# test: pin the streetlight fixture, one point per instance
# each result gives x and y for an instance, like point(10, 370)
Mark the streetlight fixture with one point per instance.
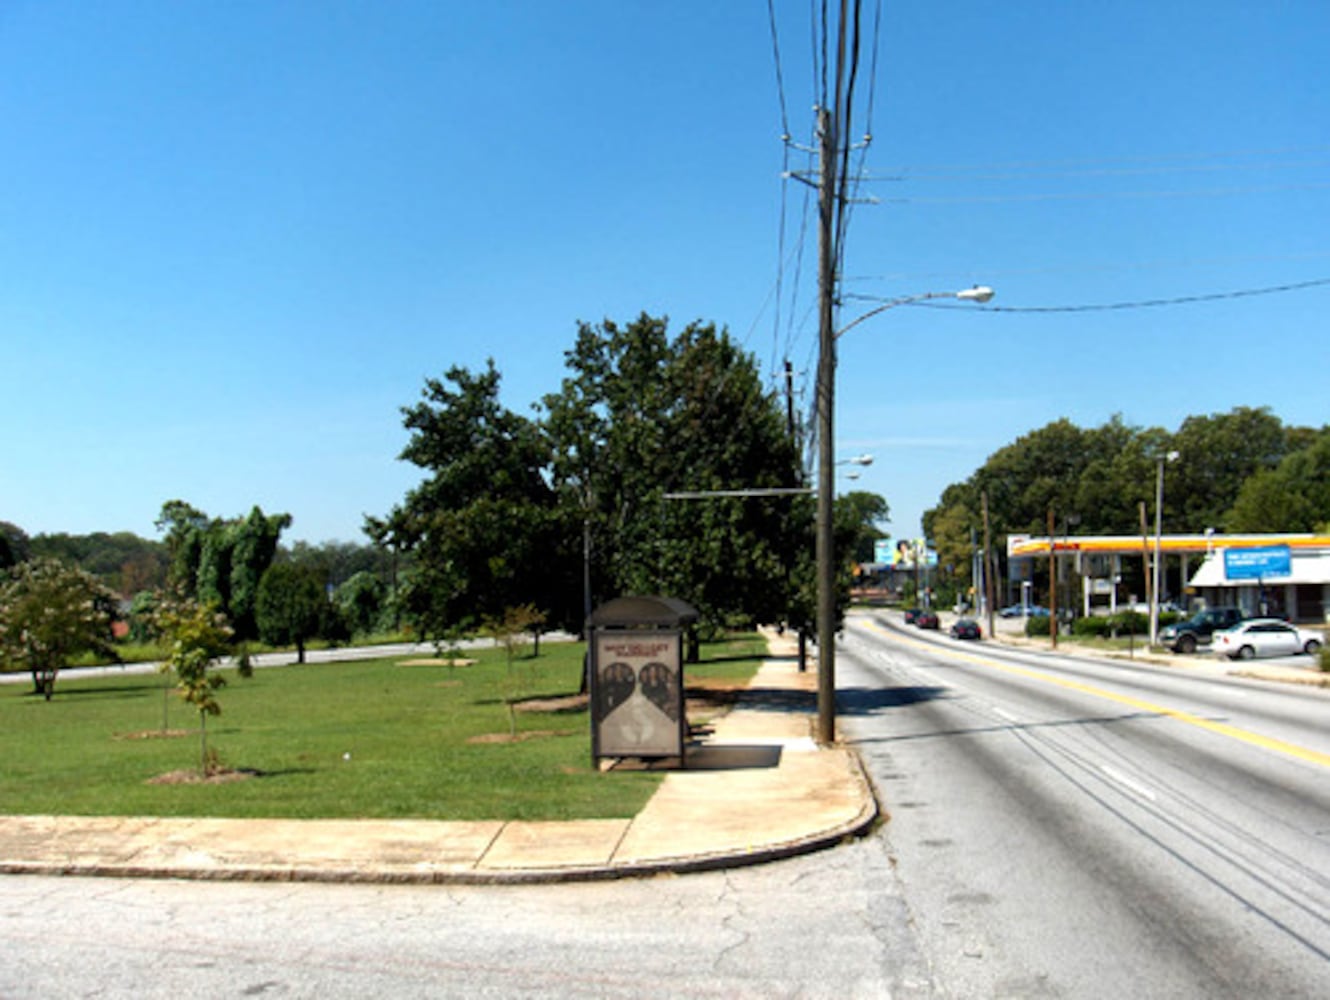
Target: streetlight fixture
point(1171, 456)
point(826, 393)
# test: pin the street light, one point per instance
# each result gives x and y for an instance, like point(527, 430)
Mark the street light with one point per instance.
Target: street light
point(1171, 456)
point(826, 477)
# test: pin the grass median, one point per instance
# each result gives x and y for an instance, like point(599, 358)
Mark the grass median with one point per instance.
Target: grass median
point(392, 738)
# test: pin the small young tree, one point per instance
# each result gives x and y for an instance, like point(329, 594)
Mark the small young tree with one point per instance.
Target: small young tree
point(509, 631)
point(50, 611)
point(198, 635)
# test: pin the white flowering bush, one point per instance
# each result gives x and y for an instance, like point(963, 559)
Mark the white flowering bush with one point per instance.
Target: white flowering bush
point(51, 611)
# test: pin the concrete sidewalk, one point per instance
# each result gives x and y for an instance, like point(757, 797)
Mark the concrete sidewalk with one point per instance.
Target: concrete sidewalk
point(756, 789)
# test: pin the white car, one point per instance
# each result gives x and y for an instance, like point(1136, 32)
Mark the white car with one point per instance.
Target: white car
point(1265, 637)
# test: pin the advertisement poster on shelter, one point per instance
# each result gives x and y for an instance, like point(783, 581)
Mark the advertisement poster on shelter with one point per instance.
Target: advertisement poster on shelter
point(638, 697)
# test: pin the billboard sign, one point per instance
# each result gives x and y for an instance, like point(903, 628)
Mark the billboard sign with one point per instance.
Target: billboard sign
point(1257, 563)
point(908, 553)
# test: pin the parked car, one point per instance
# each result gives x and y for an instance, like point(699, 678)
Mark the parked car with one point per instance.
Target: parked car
point(1185, 637)
point(926, 619)
point(1265, 637)
point(911, 614)
point(1023, 611)
point(966, 628)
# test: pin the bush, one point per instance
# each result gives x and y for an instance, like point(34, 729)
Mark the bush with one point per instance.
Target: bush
point(1325, 659)
point(1095, 626)
point(1036, 625)
point(1130, 623)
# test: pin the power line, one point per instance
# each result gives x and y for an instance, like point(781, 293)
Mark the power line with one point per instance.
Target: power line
point(1140, 303)
point(1101, 195)
point(1094, 162)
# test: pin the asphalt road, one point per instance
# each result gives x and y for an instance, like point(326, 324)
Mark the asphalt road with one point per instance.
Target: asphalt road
point(1062, 827)
point(1058, 829)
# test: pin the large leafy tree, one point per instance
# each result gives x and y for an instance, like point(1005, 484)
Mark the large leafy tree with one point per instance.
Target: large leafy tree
point(1294, 496)
point(641, 415)
point(483, 526)
point(291, 606)
point(49, 612)
point(865, 514)
point(1216, 455)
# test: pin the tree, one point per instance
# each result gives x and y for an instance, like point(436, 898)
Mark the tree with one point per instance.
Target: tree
point(641, 415)
point(866, 512)
point(221, 562)
point(1295, 496)
point(49, 612)
point(15, 546)
point(122, 560)
point(483, 528)
point(290, 606)
point(361, 601)
point(198, 635)
point(1216, 455)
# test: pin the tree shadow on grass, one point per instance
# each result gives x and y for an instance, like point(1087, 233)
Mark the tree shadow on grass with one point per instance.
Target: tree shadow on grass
point(132, 691)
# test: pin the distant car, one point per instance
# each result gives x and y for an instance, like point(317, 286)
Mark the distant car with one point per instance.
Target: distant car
point(1022, 611)
point(966, 628)
point(1265, 637)
point(926, 619)
point(911, 614)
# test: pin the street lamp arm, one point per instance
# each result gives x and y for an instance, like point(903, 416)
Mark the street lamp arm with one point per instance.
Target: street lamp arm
point(980, 293)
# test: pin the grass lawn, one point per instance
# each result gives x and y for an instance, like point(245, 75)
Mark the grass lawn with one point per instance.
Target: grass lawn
point(425, 741)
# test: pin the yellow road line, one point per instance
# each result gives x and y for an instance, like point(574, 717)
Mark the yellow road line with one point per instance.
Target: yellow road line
point(1233, 732)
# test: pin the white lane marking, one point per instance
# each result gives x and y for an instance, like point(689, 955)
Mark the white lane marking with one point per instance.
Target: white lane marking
point(1126, 782)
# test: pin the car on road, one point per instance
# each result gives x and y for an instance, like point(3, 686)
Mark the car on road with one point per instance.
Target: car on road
point(927, 619)
point(1185, 637)
point(966, 628)
point(1265, 637)
point(911, 614)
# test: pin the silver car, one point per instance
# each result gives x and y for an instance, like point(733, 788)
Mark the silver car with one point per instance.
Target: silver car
point(1265, 637)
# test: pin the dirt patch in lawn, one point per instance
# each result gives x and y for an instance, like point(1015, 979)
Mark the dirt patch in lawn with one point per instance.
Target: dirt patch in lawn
point(433, 661)
point(522, 737)
point(189, 776)
point(563, 703)
point(155, 734)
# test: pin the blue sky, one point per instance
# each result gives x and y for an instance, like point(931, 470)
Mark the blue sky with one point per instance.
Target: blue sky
point(235, 238)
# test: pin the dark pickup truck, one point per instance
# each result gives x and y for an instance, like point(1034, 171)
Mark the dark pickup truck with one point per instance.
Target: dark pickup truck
point(1198, 630)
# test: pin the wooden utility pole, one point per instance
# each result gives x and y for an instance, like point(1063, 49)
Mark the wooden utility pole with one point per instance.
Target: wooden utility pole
point(826, 452)
point(1145, 559)
point(1052, 584)
point(988, 568)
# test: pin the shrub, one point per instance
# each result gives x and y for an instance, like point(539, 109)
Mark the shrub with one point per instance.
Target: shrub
point(1036, 625)
point(1094, 626)
point(1130, 623)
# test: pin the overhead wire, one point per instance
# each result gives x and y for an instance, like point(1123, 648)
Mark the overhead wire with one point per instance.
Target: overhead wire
point(1177, 300)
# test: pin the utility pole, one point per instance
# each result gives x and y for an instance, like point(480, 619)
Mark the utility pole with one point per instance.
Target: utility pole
point(1052, 583)
point(826, 453)
point(829, 195)
point(789, 402)
point(988, 568)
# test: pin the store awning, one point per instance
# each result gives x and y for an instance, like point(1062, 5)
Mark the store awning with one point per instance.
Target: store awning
point(1306, 568)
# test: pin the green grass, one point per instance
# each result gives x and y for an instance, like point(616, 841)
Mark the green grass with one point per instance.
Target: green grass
point(421, 741)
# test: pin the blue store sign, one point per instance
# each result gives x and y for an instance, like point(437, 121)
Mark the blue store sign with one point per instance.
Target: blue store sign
point(1257, 563)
